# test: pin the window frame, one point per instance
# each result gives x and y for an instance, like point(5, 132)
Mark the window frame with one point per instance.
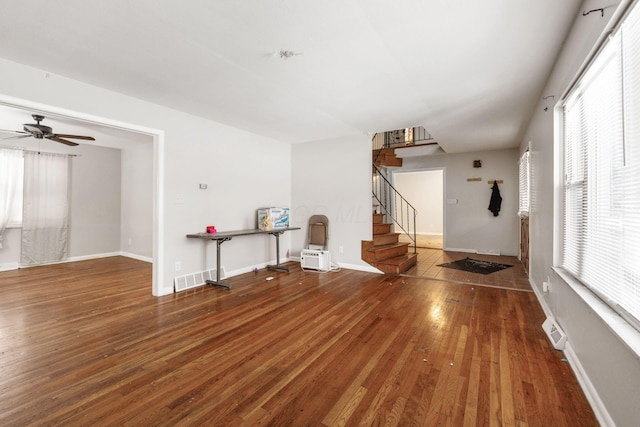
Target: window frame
point(585, 78)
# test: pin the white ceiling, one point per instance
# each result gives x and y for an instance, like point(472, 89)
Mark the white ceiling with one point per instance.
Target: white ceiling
point(469, 71)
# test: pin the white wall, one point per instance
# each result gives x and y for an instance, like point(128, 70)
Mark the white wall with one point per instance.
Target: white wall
point(607, 368)
point(94, 220)
point(469, 225)
point(333, 178)
point(244, 171)
point(424, 191)
point(94, 226)
point(136, 238)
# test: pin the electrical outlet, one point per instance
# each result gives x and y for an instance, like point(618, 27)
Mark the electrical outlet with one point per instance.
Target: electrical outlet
point(340, 249)
point(129, 241)
point(178, 266)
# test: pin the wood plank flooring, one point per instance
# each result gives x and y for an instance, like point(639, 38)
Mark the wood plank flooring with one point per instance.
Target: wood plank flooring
point(514, 277)
point(85, 344)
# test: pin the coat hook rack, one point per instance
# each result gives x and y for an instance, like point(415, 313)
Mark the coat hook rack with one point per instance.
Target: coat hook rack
point(594, 10)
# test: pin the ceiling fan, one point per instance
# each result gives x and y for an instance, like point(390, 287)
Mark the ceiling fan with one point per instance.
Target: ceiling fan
point(39, 131)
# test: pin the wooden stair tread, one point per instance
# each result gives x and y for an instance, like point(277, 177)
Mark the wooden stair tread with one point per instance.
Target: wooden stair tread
point(398, 264)
point(398, 259)
point(381, 229)
point(385, 239)
point(384, 251)
point(387, 246)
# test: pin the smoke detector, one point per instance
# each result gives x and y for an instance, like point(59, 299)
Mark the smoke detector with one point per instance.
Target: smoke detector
point(286, 54)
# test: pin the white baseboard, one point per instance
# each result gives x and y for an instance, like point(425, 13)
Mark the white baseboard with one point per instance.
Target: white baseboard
point(107, 255)
point(138, 257)
point(587, 387)
point(9, 266)
point(469, 251)
point(365, 268)
point(589, 390)
point(89, 257)
point(92, 256)
point(541, 300)
point(346, 266)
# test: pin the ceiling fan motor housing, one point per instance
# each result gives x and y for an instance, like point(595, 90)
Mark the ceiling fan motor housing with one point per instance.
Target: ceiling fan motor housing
point(38, 131)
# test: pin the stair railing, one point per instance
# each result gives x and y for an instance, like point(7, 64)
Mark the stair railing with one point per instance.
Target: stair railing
point(395, 206)
point(379, 141)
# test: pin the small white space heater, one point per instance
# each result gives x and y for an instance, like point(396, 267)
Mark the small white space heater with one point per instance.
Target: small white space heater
point(315, 259)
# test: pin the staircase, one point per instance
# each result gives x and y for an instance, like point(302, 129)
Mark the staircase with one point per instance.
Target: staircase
point(385, 252)
point(386, 157)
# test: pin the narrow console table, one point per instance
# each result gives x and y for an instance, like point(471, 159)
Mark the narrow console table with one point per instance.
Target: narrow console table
point(224, 236)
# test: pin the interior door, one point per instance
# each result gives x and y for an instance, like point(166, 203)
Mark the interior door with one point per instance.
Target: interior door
point(524, 242)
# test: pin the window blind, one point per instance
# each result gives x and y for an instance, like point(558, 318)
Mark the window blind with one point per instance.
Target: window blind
point(601, 236)
point(523, 184)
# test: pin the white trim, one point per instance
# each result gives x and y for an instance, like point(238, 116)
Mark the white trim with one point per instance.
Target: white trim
point(90, 257)
point(8, 266)
point(157, 281)
point(586, 385)
point(158, 218)
point(589, 390)
point(138, 257)
point(469, 251)
point(364, 268)
point(540, 297)
point(624, 331)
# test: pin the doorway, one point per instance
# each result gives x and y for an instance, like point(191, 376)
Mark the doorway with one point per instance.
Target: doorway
point(152, 137)
point(424, 190)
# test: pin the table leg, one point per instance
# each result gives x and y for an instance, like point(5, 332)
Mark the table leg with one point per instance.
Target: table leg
point(217, 282)
point(277, 266)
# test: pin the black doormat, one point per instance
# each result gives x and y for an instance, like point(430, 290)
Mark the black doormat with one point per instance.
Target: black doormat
point(475, 266)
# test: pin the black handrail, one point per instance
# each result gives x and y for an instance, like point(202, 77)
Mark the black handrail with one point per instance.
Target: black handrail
point(411, 136)
point(395, 205)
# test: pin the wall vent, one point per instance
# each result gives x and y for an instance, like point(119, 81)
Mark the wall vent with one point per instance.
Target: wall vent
point(193, 280)
point(556, 335)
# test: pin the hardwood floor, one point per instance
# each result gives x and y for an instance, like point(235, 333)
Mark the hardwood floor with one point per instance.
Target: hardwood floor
point(514, 277)
point(86, 344)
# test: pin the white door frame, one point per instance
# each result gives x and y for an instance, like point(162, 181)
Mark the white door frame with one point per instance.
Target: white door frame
point(158, 171)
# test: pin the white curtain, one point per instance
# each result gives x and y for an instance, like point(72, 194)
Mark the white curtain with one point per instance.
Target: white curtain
point(10, 161)
point(45, 217)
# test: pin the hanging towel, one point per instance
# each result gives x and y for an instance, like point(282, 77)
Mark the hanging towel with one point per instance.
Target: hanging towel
point(496, 199)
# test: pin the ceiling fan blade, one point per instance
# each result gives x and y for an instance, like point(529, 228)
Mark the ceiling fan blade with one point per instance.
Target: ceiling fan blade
point(63, 141)
point(88, 138)
point(19, 132)
point(18, 136)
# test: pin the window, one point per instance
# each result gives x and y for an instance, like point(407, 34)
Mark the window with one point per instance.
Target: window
point(11, 175)
point(15, 217)
point(601, 150)
point(523, 184)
